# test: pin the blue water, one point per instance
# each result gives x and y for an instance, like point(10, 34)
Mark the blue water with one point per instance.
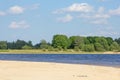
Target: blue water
point(91, 59)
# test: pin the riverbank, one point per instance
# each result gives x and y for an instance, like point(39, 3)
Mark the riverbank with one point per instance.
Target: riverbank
point(18, 70)
point(39, 51)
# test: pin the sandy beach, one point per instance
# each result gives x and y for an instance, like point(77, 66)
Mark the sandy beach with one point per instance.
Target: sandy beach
point(18, 70)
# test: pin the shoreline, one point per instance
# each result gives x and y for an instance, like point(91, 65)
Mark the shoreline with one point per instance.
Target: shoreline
point(34, 51)
point(22, 70)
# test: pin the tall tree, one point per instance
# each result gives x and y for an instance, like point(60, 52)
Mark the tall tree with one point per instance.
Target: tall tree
point(60, 41)
point(43, 44)
point(29, 43)
point(76, 42)
point(3, 45)
point(103, 42)
point(99, 47)
point(118, 40)
point(86, 41)
point(11, 45)
point(114, 46)
point(91, 39)
point(109, 40)
point(20, 44)
point(88, 47)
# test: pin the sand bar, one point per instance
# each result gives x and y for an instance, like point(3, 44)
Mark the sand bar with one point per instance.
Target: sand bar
point(18, 70)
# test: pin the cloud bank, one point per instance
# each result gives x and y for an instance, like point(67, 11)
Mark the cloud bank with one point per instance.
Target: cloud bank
point(87, 12)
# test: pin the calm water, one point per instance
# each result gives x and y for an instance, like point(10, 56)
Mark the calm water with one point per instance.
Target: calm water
point(92, 59)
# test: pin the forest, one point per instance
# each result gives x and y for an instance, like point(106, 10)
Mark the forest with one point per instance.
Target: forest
point(63, 42)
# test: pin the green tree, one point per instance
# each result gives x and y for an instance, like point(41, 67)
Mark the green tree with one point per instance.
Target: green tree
point(109, 40)
point(26, 47)
point(118, 40)
point(72, 42)
point(29, 43)
point(76, 42)
point(20, 43)
point(86, 41)
point(76, 48)
point(36, 46)
point(103, 42)
point(3, 45)
point(11, 45)
point(99, 47)
point(60, 41)
point(114, 46)
point(43, 44)
point(88, 48)
point(91, 39)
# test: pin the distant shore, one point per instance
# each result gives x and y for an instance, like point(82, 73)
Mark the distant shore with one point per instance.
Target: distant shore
point(20, 70)
point(39, 51)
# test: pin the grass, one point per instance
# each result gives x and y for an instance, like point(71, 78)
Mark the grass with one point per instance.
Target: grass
point(4, 51)
point(38, 51)
point(45, 51)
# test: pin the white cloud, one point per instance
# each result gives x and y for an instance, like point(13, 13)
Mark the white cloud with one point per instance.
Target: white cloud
point(65, 19)
point(86, 16)
point(94, 16)
point(88, 13)
point(97, 17)
point(16, 9)
point(76, 7)
point(21, 24)
point(99, 21)
point(2, 13)
point(115, 11)
point(79, 7)
point(101, 16)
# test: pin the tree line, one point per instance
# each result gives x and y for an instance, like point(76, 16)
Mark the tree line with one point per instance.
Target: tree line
point(63, 42)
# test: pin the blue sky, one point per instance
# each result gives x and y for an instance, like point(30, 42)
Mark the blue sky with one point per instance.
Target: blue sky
point(41, 19)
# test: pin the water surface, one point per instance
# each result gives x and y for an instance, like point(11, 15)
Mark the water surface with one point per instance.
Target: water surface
point(91, 59)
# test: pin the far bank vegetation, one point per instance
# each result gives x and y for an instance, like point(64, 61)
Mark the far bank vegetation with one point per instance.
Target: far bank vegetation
point(65, 43)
